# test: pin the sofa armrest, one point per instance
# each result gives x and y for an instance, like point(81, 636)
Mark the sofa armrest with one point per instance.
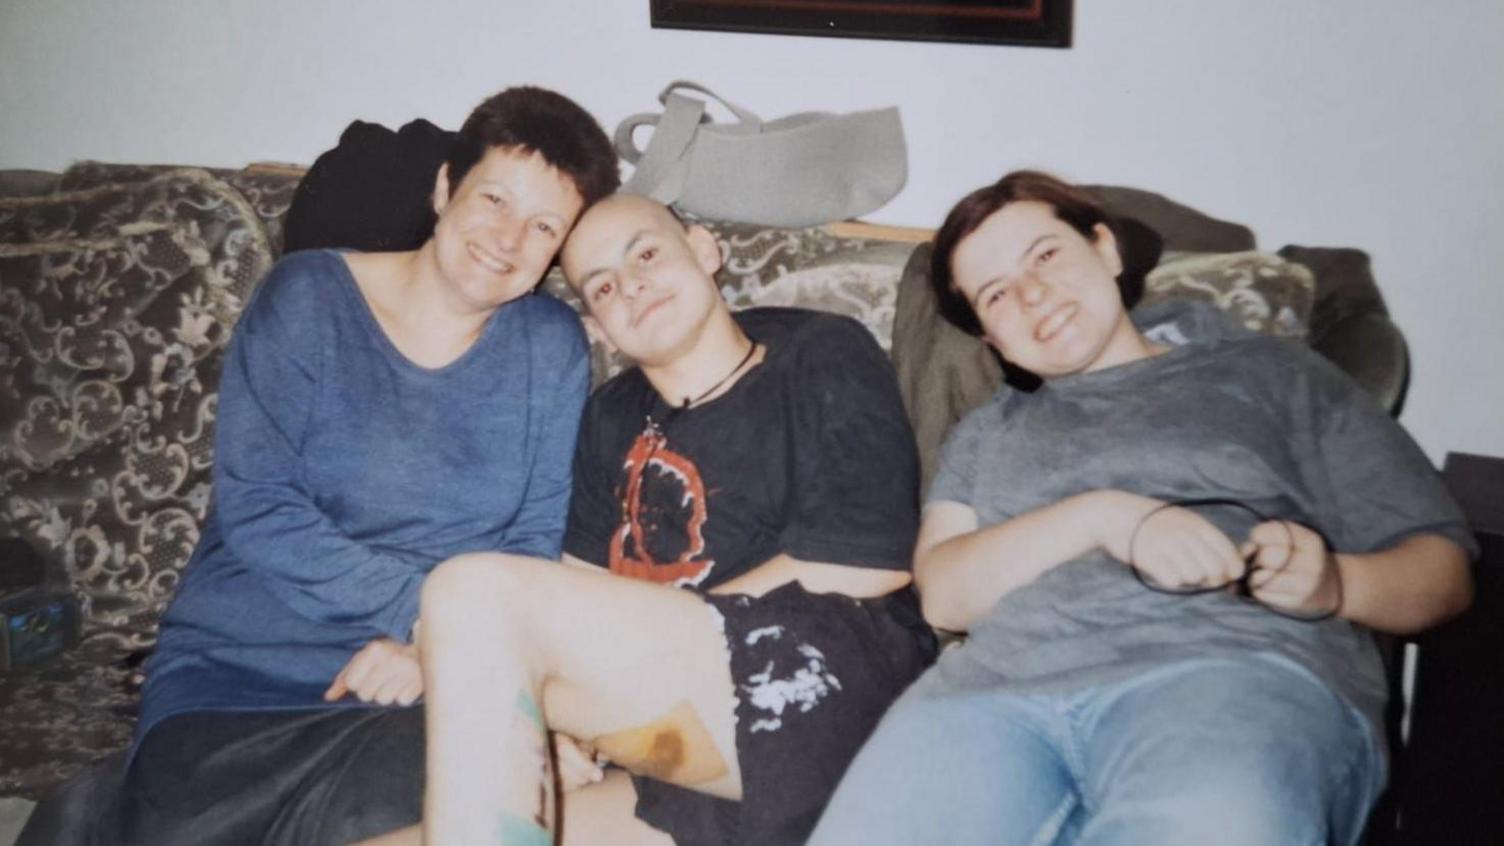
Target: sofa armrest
point(1370, 349)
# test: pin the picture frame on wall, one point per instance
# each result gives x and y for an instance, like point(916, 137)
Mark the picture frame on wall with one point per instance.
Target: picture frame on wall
point(1032, 23)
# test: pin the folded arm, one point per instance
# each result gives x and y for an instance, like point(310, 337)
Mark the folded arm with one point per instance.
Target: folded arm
point(1417, 583)
point(963, 570)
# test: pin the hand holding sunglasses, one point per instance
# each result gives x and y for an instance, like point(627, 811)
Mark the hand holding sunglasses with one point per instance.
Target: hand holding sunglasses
point(1283, 565)
point(1292, 570)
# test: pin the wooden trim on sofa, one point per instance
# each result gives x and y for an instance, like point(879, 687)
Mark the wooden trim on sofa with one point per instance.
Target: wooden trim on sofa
point(276, 168)
point(878, 231)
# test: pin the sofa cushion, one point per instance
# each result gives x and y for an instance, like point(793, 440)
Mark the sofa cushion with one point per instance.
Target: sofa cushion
point(811, 268)
point(267, 187)
point(115, 305)
point(942, 372)
point(89, 175)
point(1260, 290)
point(1182, 227)
point(64, 716)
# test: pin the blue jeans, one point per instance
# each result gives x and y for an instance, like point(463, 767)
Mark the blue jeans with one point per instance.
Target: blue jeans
point(1248, 752)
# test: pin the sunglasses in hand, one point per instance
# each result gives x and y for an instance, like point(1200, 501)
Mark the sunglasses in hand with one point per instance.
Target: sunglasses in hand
point(1249, 580)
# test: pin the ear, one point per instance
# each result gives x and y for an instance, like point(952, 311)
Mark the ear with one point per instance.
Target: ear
point(441, 189)
point(706, 250)
point(1106, 245)
point(596, 333)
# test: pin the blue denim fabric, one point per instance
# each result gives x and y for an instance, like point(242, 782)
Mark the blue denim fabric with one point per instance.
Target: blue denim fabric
point(1227, 752)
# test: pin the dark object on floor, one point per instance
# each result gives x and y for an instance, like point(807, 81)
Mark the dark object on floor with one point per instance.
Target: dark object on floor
point(1450, 785)
point(36, 624)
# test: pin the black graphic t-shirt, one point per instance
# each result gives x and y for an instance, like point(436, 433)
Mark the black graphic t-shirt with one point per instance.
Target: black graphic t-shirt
point(808, 454)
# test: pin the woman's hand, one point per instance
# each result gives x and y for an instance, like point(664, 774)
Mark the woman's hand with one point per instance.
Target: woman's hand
point(1173, 547)
point(1293, 569)
point(384, 671)
point(578, 762)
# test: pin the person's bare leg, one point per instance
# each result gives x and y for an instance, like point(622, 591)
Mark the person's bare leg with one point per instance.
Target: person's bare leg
point(638, 669)
point(604, 814)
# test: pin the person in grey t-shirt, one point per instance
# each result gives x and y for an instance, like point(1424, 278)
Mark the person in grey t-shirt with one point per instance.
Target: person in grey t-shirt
point(1144, 666)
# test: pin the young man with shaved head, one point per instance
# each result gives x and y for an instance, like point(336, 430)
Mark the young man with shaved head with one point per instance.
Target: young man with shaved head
point(735, 612)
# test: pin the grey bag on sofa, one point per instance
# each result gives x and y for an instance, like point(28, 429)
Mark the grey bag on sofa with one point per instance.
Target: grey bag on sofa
point(802, 170)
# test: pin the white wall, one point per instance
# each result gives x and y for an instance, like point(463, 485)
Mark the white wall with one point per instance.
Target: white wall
point(1371, 123)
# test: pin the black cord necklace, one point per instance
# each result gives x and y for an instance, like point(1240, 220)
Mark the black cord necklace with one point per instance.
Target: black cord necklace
point(688, 402)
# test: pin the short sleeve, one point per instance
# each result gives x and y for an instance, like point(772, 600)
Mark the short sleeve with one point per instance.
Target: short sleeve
point(1375, 486)
point(955, 475)
point(593, 506)
point(855, 469)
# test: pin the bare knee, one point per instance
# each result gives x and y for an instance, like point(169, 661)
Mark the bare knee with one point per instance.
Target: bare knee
point(475, 588)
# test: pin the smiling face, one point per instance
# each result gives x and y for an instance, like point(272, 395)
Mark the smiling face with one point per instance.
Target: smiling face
point(499, 230)
point(646, 279)
point(1046, 296)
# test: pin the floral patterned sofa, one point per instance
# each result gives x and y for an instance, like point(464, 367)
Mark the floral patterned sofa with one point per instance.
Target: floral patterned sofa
point(120, 284)
point(118, 289)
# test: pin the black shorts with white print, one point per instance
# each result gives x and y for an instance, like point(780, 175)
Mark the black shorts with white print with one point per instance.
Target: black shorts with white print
point(813, 675)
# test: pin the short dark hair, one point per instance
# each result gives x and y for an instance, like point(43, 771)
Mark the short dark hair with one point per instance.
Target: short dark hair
point(536, 120)
point(1072, 204)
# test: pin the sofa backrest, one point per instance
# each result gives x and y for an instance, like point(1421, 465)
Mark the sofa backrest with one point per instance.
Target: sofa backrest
point(116, 302)
point(118, 292)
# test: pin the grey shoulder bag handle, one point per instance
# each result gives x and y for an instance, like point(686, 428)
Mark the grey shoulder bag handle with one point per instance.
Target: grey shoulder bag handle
point(801, 170)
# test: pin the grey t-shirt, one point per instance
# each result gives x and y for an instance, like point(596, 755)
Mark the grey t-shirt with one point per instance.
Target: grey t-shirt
point(1224, 413)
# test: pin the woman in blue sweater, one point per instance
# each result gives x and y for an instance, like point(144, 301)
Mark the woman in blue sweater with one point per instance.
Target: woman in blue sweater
point(378, 413)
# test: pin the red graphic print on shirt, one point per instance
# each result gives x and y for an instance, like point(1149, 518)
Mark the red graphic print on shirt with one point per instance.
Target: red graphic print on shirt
point(662, 533)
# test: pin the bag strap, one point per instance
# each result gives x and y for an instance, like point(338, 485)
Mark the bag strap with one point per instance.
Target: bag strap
point(662, 169)
point(625, 140)
point(745, 116)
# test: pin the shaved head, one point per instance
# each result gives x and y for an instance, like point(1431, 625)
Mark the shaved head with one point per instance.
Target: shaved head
point(616, 218)
point(648, 281)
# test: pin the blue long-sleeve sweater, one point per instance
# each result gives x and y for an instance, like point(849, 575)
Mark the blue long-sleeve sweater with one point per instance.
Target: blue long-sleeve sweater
point(344, 473)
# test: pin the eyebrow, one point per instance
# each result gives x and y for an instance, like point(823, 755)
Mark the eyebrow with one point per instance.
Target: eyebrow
point(506, 187)
point(983, 290)
point(999, 279)
point(631, 243)
point(1035, 243)
point(493, 184)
